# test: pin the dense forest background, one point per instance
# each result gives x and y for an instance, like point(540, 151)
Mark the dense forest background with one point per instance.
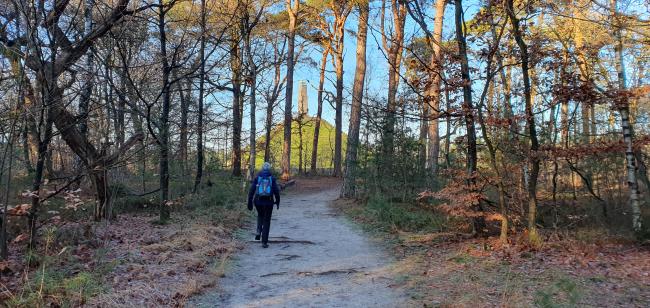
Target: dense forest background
point(514, 119)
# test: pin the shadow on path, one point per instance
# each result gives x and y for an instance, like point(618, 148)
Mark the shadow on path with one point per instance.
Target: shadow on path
point(315, 259)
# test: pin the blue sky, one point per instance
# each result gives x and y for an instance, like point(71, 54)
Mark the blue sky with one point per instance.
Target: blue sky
point(376, 73)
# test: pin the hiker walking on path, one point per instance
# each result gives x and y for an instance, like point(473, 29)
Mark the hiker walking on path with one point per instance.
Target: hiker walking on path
point(264, 192)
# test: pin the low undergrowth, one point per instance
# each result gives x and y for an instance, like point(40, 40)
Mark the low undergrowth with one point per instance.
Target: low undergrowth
point(443, 267)
point(380, 215)
point(130, 260)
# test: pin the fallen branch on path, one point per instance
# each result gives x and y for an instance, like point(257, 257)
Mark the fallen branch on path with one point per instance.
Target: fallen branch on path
point(330, 272)
point(273, 274)
point(288, 257)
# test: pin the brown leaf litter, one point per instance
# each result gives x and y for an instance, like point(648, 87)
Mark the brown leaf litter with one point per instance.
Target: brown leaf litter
point(161, 265)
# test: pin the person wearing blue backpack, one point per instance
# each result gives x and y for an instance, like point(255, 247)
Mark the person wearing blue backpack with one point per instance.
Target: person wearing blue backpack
point(264, 193)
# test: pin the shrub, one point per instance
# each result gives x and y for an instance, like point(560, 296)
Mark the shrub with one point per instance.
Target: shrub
point(388, 216)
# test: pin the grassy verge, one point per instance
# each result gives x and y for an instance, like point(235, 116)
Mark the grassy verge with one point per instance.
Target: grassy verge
point(440, 268)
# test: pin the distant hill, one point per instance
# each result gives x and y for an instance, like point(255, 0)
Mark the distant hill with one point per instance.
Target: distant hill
point(325, 144)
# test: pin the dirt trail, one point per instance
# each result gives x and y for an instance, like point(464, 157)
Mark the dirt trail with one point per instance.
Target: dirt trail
point(315, 259)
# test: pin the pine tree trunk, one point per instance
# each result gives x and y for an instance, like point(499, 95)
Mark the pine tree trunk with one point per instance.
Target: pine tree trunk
point(338, 119)
point(468, 109)
point(288, 104)
point(394, 52)
point(319, 111)
point(434, 91)
point(351, 159)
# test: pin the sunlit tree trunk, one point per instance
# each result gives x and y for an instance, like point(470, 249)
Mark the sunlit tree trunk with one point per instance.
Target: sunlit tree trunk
point(628, 131)
point(319, 111)
point(338, 118)
point(434, 92)
point(288, 105)
point(349, 181)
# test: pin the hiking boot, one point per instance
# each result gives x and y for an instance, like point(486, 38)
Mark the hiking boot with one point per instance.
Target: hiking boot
point(257, 237)
point(265, 245)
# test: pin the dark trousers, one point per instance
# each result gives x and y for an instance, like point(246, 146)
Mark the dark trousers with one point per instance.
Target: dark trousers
point(264, 213)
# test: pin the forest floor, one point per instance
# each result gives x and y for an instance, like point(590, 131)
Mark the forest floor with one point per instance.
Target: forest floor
point(324, 252)
point(132, 261)
point(577, 268)
point(316, 259)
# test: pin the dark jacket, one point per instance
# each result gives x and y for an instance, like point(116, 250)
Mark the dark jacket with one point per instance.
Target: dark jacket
point(275, 189)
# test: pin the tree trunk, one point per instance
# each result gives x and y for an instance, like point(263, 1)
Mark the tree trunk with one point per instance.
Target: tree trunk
point(468, 109)
point(338, 119)
point(184, 98)
point(48, 72)
point(43, 143)
point(164, 119)
point(423, 107)
point(351, 163)
point(199, 124)
point(389, 125)
point(628, 130)
point(268, 128)
point(394, 62)
point(120, 127)
point(434, 92)
point(288, 105)
point(86, 92)
point(252, 78)
point(319, 112)
point(102, 195)
point(235, 63)
point(448, 129)
point(7, 164)
point(501, 190)
point(275, 93)
point(300, 143)
point(533, 236)
point(583, 69)
point(25, 149)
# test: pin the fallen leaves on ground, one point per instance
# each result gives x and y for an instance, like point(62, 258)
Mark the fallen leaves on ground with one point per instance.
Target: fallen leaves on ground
point(161, 265)
point(458, 271)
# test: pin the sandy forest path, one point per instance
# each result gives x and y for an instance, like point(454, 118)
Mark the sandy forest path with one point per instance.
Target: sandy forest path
point(315, 259)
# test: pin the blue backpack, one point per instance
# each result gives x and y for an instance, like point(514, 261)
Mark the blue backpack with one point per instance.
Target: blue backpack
point(264, 186)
